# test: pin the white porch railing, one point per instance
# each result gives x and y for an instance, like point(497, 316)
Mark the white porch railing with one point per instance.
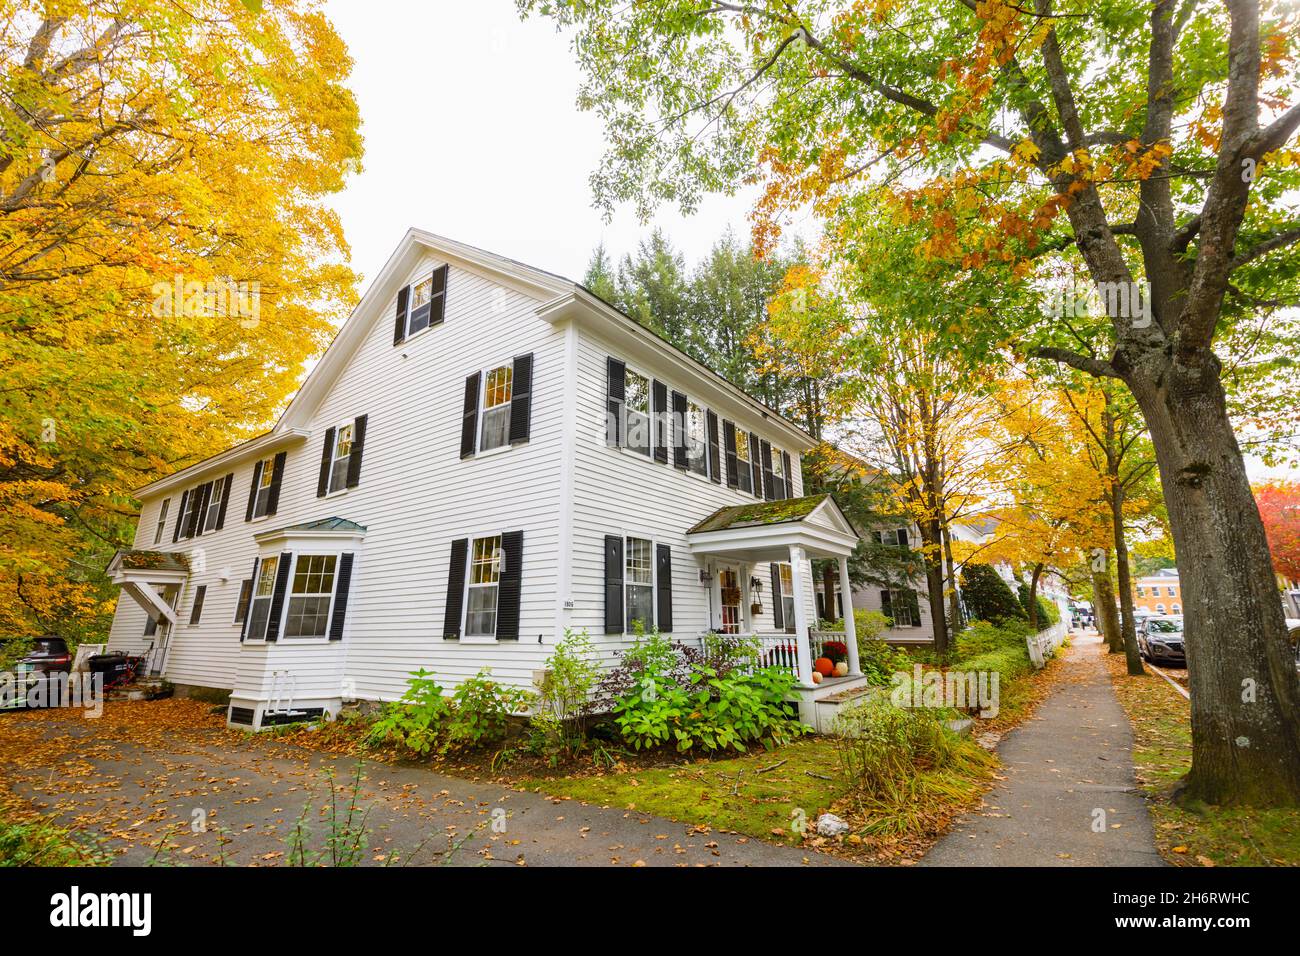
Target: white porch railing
point(776, 649)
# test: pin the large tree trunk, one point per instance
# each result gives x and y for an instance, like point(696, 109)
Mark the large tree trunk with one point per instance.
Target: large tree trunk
point(1032, 609)
point(1128, 625)
point(1244, 688)
point(950, 572)
point(1103, 599)
point(932, 555)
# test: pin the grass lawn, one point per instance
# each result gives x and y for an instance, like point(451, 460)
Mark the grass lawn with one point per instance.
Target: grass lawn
point(1162, 753)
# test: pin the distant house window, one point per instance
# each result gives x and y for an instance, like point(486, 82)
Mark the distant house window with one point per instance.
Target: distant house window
point(484, 581)
point(214, 505)
point(497, 390)
point(1173, 591)
point(162, 521)
point(638, 581)
point(341, 455)
point(1160, 609)
point(309, 601)
point(265, 478)
point(744, 463)
point(1178, 609)
point(697, 442)
point(901, 606)
point(893, 537)
point(260, 610)
point(197, 611)
point(1141, 591)
point(636, 404)
point(787, 595)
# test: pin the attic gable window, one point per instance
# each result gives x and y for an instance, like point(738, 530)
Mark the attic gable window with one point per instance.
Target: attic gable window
point(421, 305)
point(498, 389)
point(339, 459)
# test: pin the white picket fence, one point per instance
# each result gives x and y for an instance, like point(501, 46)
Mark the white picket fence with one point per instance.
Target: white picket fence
point(1044, 644)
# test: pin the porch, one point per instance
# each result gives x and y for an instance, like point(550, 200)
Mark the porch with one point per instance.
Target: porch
point(791, 532)
point(155, 580)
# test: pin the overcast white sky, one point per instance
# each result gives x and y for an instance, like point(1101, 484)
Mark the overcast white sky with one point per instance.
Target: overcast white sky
point(471, 131)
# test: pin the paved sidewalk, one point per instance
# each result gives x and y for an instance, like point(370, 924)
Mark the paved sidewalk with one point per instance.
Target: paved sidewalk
point(1070, 797)
point(135, 792)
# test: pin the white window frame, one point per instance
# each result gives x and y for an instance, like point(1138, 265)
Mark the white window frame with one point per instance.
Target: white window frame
point(200, 603)
point(209, 522)
point(335, 457)
point(265, 481)
point(648, 413)
point(269, 597)
point(411, 306)
point(653, 585)
point(465, 636)
point(1176, 609)
point(483, 409)
point(162, 521)
point(894, 594)
point(778, 471)
point(289, 595)
point(234, 615)
point(744, 466)
point(704, 440)
point(787, 616)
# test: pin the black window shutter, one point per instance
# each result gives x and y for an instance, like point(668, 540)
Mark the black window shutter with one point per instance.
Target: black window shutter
point(245, 593)
point(659, 406)
point(180, 517)
point(887, 606)
point(399, 326)
point(358, 447)
point(521, 399)
point(438, 293)
point(679, 430)
point(225, 500)
point(198, 504)
point(509, 585)
point(778, 609)
point(755, 466)
point(326, 456)
point(341, 589)
point(615, 393)
point(715, 461)
point(196, 613)
point(455, 589)
point(252, 491)
point(469, 417)
point(769, 480)
point(277, 596)
point(729, 449)
point(786, 467)
point(664, 587)
point(277, 474)
point(243, 630)
point(613, 584)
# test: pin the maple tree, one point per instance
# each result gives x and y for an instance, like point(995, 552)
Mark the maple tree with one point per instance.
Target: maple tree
point(167, 262)
point(1154, 139)
point(1279, 507)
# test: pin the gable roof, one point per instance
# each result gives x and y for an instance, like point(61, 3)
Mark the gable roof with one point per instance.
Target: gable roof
point(557, 298)
point(762, 513)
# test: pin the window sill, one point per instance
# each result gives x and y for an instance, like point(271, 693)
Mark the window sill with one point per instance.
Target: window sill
point(466, 639)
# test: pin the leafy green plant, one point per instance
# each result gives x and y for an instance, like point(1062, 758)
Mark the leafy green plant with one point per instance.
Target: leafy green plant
point(988, 597)
point(344, 844)
point(879, 661)
point(481, 709)
point(564, 697)
point(418, 719)
point(38, 841)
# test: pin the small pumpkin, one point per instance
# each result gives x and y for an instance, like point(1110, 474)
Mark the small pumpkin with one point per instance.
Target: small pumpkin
point(824, 666)
point(817, 678)
point(842, 669)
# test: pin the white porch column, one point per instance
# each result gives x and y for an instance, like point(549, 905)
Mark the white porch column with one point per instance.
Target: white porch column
point(798, 582)
point(850, 626)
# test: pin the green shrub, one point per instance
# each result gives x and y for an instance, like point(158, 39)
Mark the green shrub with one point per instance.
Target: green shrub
point(880, 662)
point(481, 710)
point(418, 719)
point(987, 596)
point(1047, 611)
point(564, 697)
point(880, 748)
point(38, 841)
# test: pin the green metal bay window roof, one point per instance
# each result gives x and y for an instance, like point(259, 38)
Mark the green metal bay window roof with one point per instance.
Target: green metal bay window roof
point(760, 513)
point(324, 524)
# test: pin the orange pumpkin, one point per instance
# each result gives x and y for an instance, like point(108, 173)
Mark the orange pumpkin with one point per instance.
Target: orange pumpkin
point(824, 666)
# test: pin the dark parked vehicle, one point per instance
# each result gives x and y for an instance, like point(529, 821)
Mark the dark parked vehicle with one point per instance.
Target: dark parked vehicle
point(49, 655)
point(1160, 640)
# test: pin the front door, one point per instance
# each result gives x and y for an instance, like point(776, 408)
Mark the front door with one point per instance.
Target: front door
point(729, 601)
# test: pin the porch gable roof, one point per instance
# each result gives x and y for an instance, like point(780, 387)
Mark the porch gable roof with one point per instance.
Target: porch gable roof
point(767, 530)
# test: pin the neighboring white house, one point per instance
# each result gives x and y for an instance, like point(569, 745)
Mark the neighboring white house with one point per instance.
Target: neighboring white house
point(486, 456)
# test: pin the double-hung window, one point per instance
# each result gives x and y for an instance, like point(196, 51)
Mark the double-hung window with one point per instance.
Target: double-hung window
point(744, 462)
point(260, 610)
point(903, 607)
point(196, 612)
point(697, 442)
point(779, 478)
point(638, 581)
point(636, 404)
point(162, 521)
point(787, 595)
point(209, 519)
point(484, 582)
point(498, 385)
point(265, 478)
point(342, 453)
point(309, 601)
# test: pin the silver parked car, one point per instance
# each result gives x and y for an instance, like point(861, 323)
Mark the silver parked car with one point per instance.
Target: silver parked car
point(1160, 640)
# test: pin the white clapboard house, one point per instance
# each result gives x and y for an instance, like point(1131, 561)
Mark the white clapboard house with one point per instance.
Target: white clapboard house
point(486, 456)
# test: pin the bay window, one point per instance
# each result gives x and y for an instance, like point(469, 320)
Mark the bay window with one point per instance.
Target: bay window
point(309, 599)
point(260, 609)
